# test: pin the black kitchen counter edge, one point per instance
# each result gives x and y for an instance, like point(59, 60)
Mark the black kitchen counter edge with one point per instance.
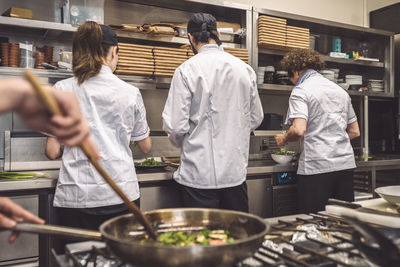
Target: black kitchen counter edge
point(151, 177)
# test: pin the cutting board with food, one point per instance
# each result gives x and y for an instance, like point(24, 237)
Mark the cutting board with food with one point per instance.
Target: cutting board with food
point(375, 211)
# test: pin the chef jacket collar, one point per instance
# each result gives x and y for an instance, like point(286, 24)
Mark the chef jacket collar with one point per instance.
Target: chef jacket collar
point(305, 76)
point(105, 69)
point(209, 47)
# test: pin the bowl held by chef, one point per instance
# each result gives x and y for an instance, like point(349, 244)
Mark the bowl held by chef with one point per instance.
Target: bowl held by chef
point(211, 109)
point(116, 115)
point(322, 117)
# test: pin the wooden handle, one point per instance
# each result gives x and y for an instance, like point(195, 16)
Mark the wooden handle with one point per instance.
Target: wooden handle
point(52, 106)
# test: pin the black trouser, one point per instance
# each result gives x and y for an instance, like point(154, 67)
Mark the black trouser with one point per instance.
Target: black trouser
point(90, 218)
point(231, 198)
point(314, 190)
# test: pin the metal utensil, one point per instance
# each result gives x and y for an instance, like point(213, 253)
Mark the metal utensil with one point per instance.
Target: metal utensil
point(52, 106)
point(121, 235)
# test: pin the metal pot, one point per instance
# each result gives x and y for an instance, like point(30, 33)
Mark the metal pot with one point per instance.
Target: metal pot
point(121, 235)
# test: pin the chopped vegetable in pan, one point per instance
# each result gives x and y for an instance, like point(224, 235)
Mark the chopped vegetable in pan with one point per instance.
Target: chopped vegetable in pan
point(150, 162)
point(204, 237)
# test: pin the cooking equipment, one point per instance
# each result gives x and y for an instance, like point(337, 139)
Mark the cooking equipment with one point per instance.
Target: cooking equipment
point(271, 121)
point(374, 245)
point(301, 240)
point(120, 232)
point(390, 193)
point(161, 165)
point(52, 106)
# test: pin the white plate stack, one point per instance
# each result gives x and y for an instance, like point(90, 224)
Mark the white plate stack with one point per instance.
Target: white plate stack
point(336, 74)
point(375, 85)
point(354, 81)
point(329, 74)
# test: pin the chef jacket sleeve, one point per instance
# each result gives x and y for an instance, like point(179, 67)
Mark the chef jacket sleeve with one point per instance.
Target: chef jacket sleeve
point(351, 115)
point(257, 113)
point(177, 109)
point(298, 105)
point(141, 129)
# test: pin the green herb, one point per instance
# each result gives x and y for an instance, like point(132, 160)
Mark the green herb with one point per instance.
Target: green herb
point(283, 151)
point(23, 175)
point(204, 237)
point(150, 162)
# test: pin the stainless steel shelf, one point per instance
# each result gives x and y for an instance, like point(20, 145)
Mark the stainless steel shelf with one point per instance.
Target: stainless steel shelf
point(36, 24)
point(328, 58)
point(353, 62)
point(267, 88)
point(7, 71)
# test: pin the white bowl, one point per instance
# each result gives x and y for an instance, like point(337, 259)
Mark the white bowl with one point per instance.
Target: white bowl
point(282, 159)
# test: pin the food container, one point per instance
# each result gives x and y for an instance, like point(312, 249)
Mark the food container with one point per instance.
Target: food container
point(26, 59)
point(66, 57)
point(260, 75)
point(84, 10)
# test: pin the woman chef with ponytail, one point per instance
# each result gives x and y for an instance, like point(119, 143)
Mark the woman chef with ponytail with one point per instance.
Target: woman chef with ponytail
point(116, 116)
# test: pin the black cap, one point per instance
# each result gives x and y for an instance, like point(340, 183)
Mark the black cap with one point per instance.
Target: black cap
point(203, 23)
point(109, 36)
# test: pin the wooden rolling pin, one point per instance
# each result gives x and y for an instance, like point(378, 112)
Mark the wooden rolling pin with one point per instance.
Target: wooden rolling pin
point(52, 106)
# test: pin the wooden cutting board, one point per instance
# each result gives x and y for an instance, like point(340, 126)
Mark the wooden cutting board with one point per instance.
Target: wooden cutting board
point(123, 45)
point(129, 72)
point(273, 19)
point(135, 55)
point(135, 49)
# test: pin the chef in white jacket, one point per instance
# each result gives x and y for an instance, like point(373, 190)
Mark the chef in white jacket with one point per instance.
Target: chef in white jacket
point(212, 107)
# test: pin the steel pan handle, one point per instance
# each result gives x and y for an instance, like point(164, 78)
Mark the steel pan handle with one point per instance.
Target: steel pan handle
point(67, 232)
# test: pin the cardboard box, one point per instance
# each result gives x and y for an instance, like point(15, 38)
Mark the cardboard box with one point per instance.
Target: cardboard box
point(16, 12)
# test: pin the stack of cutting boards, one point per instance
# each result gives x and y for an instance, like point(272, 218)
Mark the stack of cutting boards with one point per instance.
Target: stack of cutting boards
point(167, 60)
point(275, 33)
point(271, 32)
point(297, 37)
point(161, 61)
point(135, 59)
point(243, 54)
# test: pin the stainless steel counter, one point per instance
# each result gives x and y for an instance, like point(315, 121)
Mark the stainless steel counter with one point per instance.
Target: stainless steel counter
point(255, 168)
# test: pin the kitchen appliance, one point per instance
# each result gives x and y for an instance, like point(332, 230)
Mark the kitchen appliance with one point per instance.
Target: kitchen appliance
point(302, 240)
point(284, 194)
point(271, 121)
point(123, 234)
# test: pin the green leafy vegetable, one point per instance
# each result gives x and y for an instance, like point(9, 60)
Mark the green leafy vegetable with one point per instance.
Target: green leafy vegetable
point(283, 151)
point(204, 237)
point(150, 162)
point(23, 175)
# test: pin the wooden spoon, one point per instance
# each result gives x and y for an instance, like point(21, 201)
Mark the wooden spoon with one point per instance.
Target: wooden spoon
point(52, 106)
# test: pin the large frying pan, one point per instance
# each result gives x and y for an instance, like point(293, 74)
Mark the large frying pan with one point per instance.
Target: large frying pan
point(121, 235)
point(390, 193)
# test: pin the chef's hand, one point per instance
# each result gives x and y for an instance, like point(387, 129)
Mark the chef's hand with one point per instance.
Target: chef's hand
point(11, 213)
point(280, 139)
point(70, 129)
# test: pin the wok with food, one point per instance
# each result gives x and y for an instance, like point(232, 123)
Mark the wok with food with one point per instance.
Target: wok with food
point(242, 235)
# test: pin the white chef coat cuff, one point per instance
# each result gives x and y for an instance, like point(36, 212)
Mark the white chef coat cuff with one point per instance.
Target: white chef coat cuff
point(352, 120)
point(298, 116)
point(142, 136)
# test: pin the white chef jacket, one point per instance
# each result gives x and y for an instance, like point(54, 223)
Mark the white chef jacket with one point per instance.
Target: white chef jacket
point(211, 109)
point(328, 110)
point(116, 115)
